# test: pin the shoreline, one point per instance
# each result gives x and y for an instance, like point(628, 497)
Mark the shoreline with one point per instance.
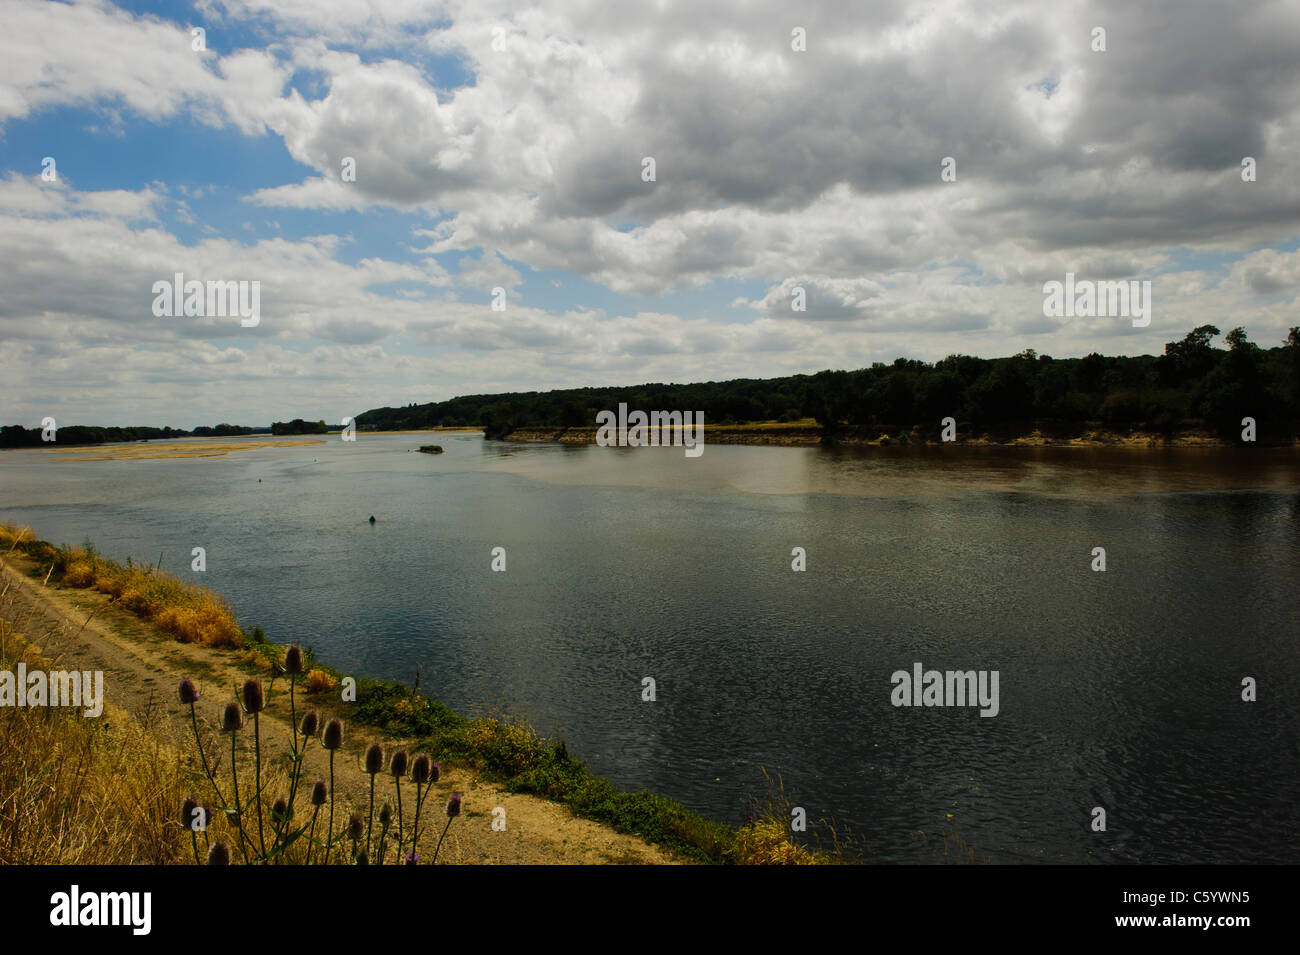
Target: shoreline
point(805, 435)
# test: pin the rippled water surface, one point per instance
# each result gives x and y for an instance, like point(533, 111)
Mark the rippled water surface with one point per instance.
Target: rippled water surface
point(1118, 689)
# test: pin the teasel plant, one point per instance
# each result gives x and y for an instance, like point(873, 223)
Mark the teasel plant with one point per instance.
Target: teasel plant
point(318, 797)
point(282, 812)
point(397, 768)
point(232, 721)
point(374, 765)
point(281, 815)
point(331, 739)
point(189, 810)
point(453, 810)
point(356, 829)
point(254, 703)
point(254, 847)
point(304, 733)
point(423, 773)
point(293, 665)
point(190, 695)
point(385, 822)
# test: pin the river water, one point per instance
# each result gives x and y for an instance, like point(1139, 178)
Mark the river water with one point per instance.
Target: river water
point(1119, 689)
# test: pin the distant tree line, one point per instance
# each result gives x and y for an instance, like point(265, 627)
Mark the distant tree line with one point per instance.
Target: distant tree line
point(17, 436)
point(1192, 383)
point(224, 430)
point(299, 426)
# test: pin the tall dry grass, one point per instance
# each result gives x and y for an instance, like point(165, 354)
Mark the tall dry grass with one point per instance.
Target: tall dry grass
point(107, 790)
point(79, 790)
point(190, 613)
point(765, 837)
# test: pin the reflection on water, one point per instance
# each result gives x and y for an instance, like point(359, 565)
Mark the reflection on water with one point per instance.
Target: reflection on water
point(1118, 689)
point(896, 471)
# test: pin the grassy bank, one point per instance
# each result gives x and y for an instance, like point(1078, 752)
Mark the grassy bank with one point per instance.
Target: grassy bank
point(507, 752)
point(190, 613)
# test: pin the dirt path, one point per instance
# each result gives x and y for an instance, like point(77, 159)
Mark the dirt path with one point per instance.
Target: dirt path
point(142, 668)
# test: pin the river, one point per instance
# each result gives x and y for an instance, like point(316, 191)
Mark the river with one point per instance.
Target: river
point(1119, 689)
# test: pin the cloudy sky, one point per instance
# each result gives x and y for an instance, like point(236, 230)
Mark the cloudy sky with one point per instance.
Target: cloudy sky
point(498, 146)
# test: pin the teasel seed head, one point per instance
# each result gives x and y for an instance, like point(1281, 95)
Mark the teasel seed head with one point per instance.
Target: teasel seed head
point(187, 812)
point(293, 660)
point(333, 735)
point(319, 793)
point(420, 769)
point(189, 692)
point(219, 854)
point(385, 815)
point(309, 723)
point(398, 765)
point(435, 772)
point(374, 759)
point(280, 811)
point(356, 827)
point(453, 806)
point(231, 718)
point(253, 702)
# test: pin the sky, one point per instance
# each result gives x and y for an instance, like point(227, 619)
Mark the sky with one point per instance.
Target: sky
point(386, 172)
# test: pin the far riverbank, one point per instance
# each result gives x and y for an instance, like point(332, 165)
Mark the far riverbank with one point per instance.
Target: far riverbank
point(807, 433)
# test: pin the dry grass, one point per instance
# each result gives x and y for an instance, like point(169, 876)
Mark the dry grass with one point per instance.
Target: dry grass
point(318, 680)
point(81, 790)
point(14, 534)
point(190, 613)
point(109, 790)
point(765, 838)
point(767, 842)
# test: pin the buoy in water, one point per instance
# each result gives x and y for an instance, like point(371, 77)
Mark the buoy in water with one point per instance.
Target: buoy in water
point(372, 518)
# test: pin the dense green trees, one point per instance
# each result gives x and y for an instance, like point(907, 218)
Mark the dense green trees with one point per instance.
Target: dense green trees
point(299, 426)
point(224, 430)
point(1193, 381)
point(16, 436)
